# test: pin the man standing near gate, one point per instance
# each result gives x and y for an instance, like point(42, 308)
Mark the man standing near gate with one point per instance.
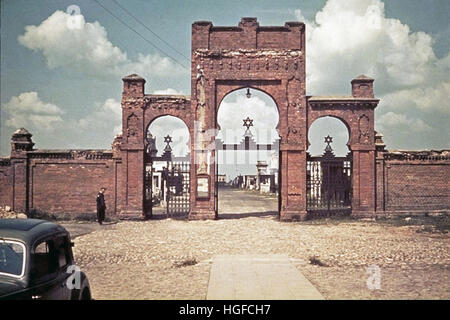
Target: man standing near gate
point(101, 206)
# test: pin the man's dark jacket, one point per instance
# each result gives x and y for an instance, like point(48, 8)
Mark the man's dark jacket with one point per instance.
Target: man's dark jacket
point(101, 201)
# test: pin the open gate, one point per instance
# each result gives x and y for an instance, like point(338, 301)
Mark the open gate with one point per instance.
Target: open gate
point(329, 183)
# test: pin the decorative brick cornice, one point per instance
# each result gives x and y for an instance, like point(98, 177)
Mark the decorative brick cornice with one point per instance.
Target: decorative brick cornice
point(340, 101)
point(132, 102)
point(423, 155)
point(179, 102)
point(248, 53)
point(71, 154)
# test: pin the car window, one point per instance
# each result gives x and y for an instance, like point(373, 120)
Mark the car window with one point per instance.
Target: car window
point(44, 259)
point(50, 256)
point(62, 252)
point(12, 255)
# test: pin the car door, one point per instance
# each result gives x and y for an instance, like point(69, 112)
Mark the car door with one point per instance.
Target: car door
point(50, 261)
point(43, 275)
point(64, 257)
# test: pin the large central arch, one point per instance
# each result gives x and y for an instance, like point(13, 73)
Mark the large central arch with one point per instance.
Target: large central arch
point(269, 59)
point(247, 150)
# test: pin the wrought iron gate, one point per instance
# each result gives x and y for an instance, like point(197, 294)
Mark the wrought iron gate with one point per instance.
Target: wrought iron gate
point(329, 183)
point(166, 182)
point(148, 193)
point(178, 189)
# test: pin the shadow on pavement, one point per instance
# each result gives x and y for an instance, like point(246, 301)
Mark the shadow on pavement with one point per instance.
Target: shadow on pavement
point(273, 214)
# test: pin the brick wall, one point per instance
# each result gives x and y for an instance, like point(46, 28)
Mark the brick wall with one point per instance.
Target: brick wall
point(60, 181)
point(413, 182)
point(5, 183)
point(70, 186)
point(247, 35)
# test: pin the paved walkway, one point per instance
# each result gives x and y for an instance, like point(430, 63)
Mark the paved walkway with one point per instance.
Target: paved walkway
point(258, 277)
point(239, 203)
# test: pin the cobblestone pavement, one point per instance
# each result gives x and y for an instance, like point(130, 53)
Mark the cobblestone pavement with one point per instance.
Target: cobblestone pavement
point(171, 259)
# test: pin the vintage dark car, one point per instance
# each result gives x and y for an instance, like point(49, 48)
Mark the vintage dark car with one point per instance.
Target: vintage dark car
point(36, 262)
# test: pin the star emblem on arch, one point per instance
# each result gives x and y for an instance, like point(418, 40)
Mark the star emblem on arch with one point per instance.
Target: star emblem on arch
point(248, 123)
point(167, 139)
point(328, 139)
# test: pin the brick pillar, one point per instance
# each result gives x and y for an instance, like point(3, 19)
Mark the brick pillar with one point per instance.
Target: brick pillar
point(293, 148)
point(132, 146)
point(202, 154)
point(363, 201)
point(379, 172)
point(20, 143)
point(293, 185)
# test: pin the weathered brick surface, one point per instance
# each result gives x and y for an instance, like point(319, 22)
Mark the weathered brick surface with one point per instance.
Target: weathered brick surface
point(417, 187)
point(6, 179)
point(357, 113)
point(269, 59)
point(70, 186)
point(410, 182)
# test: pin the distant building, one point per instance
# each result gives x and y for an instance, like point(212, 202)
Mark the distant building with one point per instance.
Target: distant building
point(222, 179)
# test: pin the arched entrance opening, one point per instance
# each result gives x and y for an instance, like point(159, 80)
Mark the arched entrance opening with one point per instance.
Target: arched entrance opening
point(329, 168)
point(167, 168)
point(247, 154)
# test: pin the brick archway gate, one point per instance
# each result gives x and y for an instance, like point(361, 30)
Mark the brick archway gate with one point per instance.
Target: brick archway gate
point(269, 59)
point(357, 113)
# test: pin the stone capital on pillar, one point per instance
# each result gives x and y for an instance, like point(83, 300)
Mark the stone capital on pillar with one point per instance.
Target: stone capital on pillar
point(133, 86)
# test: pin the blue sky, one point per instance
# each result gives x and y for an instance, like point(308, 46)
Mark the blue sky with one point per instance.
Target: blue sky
point(64, 85)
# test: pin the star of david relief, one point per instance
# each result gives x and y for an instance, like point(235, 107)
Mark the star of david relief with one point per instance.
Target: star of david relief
point(248, 123)
point(167, 139)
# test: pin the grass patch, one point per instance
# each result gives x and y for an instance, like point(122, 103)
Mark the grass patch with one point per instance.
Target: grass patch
point(88, 217)
point(333, 220)
point(428, 224)
point(185, 263)
point(316, 261)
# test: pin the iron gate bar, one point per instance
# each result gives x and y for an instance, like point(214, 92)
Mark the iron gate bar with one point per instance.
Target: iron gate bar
point(178, 189)
point(329, 183)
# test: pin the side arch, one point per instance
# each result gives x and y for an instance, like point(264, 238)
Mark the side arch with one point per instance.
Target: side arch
point(323, 116)
point(170, 130)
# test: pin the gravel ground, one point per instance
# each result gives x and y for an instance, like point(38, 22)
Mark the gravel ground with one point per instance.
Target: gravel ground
point(171, 259)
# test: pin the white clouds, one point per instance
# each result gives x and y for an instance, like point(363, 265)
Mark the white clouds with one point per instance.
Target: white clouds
point(353, 37)
point(323, 127)
point(401, 121)
point(236, 107)
point(427, 99)
point(174, 127)
point(168, 91)
point(27, 110)
point(51, 126)
point(106, 117)
point(97, 128)
point(87, 49)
